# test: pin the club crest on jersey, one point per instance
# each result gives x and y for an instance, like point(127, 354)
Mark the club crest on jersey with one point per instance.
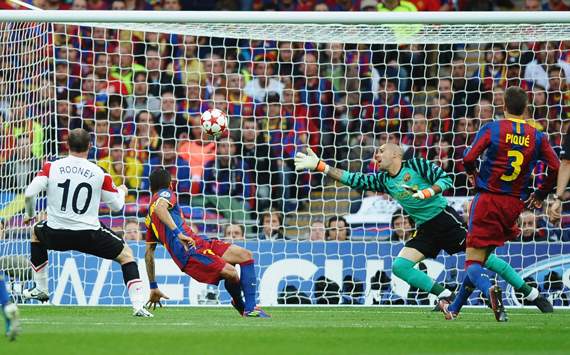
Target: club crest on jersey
point(407, 177)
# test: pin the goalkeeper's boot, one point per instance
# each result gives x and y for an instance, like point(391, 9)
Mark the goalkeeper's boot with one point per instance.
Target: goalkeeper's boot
point(444, 308)
point(238, 307)
point(143, 313)
point(257, 312)
point(496, 298)
point(543, 304)
point(36, 294)
point(448, 299)
point(12, 315)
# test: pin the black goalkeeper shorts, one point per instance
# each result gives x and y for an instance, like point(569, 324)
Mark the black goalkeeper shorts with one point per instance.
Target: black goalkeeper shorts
point(102, 242)
point(444, 231)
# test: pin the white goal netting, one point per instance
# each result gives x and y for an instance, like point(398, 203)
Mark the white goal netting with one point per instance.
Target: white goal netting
point(342, 90)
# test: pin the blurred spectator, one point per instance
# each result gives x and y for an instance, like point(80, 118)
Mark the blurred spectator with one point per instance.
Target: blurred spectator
point(529, 227)
point(263, 82)
point(545, 55)
point(171, 5)
point(142, 99)
point(392, 109)
point(484, 111)
point(132, 230)
point(396, 6)
point(233, 232)
point(419, 143)
point(401, 227)
point(284, 136)
point(122, 168)
point(228, 183)
point(317, 231)
point(532, 5)
point(493, 71)
point(214, 72)
point(145, 140)
point(555, 5)
point(368, 5)
point(465, 92)
point(179, 170)
point(126, 67)
point(337, 229)
point(172, 124)
point(271, 225)
point(255, 152)
point(119, 5)
point(159, 80)
point(465, 208)
point(17, 172)
point(186, 66)
point(198, 151)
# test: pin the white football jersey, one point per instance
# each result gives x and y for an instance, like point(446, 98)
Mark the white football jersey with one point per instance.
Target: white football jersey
point(75, 188)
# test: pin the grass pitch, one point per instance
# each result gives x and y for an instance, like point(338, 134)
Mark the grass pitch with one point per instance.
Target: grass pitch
point(109, 330)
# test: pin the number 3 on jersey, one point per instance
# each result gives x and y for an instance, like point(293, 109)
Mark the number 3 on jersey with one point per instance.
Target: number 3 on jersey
point(516, 164)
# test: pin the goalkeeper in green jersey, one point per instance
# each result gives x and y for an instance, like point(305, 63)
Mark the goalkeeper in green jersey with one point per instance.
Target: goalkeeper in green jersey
point(417, 185)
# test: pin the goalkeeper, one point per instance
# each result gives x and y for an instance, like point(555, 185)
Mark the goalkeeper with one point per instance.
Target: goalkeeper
point(417, 185)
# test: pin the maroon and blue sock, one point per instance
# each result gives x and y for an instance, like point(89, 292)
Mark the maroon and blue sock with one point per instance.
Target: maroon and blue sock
point(248, 283)
point(462, 296)
point(234, 289)
point(4, 297)
point(478, 276)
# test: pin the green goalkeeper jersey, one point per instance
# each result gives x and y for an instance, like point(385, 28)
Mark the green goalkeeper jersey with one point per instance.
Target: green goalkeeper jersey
point(417, 173)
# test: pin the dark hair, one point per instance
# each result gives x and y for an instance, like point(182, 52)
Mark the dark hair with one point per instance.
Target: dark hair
point(267, 213)
point(241, 227)
point(159, 179)
point(115, 100)
point(170, 141)
point(78, 140)
point(336, 219)
point(515, 100)
point(556, 68)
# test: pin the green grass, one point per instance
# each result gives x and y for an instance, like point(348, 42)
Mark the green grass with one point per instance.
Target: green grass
point(343, 330)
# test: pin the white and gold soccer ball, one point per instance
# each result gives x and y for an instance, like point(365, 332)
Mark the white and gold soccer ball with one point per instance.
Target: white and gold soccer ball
point(214, 122)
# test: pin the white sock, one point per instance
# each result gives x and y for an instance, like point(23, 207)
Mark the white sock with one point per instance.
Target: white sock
point(41, 277)
point(136, 295)
point(444, 293)
point(533, 294)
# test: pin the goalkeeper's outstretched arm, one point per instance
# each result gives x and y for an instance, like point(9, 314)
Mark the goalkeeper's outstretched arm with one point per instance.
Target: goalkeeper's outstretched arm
point(365, 182)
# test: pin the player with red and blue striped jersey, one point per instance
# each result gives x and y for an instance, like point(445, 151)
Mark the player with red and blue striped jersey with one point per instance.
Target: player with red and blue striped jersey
point(205, 260)
point(511, 150)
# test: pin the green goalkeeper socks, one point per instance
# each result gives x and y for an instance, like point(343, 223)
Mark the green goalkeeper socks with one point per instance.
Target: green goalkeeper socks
point(503, 269)
point(404, 269)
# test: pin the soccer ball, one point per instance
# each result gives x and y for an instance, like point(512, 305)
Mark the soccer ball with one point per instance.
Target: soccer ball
point(214, 122)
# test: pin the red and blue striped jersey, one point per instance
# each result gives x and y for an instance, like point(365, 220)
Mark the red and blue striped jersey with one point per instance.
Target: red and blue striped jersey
point(159, 232)
point(513, 147)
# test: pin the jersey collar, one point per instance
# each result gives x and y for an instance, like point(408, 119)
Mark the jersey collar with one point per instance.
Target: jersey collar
point(518, 119)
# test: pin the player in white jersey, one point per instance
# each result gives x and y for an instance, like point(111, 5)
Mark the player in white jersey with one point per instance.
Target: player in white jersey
point(75, 188)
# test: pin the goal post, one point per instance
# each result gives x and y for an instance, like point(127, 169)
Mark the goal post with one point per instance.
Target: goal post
point(341, 83)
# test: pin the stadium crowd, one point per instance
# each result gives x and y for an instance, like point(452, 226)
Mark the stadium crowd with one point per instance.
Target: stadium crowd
point(142, 93)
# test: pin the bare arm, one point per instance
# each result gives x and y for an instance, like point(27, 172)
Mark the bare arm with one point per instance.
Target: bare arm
point(149, 261)
point(563, 177)
point(161, 211)
point(335, 173)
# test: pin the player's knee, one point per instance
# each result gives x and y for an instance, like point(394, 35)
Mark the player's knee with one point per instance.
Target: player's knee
point(400, 266)
point(229, 273)
point(245, 255)
point(126, 255)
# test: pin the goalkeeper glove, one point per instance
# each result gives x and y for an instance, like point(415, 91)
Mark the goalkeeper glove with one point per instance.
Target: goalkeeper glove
point(310, 161)
point(420, 194)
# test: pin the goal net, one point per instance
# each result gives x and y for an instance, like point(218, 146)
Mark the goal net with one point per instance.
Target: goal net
point(342, 90)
